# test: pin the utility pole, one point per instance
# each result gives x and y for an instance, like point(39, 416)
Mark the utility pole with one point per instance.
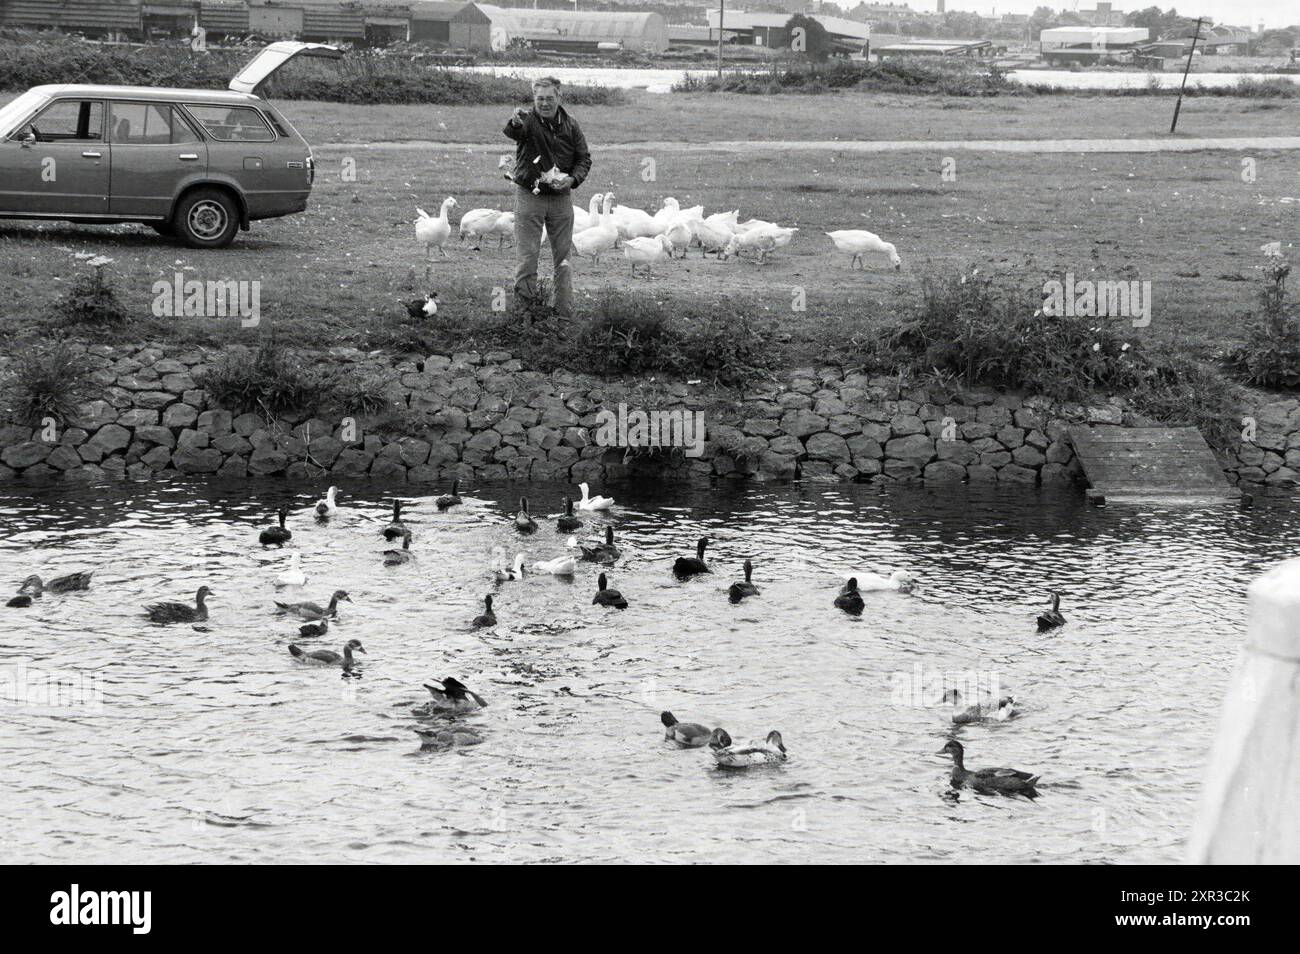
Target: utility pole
point(1186, 69)
point(722, 10)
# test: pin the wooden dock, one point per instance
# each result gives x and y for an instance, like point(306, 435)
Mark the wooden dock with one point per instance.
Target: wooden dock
point(1159, 462)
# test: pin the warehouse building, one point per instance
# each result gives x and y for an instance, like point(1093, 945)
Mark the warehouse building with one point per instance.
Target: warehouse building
point(460, 26)
point(769, 29)
point(576, 32)
point(1062, 46)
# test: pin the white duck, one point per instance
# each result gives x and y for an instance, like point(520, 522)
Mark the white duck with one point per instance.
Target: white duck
point(503, 228)
point(900, 581)
point(560, 566)
point(326, 506)
point(433, 230)
point(586, 218)
point(515, 572)
point(990, 709)
point(857, 242)
point(742, 755)
point(293, 575)
point(667, 214)
point(647, 251)
point(679, 234)
point(726, 220)
point(477, 223)
point(598, 239)
point(755, 240)
point(634, 223)
point(712, 236)
point(593, 503)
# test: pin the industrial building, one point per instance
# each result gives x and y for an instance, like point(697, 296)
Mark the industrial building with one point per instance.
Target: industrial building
point(576, 32)
point(461, 26)
point(1062, 46)
point(967, 48)
point(769, 29)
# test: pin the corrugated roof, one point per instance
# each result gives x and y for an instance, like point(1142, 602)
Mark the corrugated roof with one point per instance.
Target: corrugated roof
point(576, 25)
point(72, 14)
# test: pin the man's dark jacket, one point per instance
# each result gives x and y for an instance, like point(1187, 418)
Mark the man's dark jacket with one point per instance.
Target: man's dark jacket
point(556, 142)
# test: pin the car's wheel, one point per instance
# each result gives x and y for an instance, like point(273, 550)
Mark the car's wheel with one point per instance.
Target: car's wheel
point(207, 218)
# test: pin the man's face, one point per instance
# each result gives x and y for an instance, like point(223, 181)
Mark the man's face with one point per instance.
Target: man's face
point(547, 101)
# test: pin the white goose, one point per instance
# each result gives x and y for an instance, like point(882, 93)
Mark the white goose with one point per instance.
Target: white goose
point(586, 218)
point(326, 507)
point(900, 581)
point(712, 236)
point(598, 239)
point(515, 572)
point(761, 241)
point(433, 230)
point(679, 234)
point(560, 566)
point(668, 213)
point(634, 223)
point(293, 575)
point(857, 242)
point(726, 220)
point(647, 251)
point(593, 503)
point(477, 223)
point(503, 228)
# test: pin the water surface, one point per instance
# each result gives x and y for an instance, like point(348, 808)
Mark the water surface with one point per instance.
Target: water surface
point(214, 746)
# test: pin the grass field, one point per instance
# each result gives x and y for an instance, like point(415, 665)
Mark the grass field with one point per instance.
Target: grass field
point(1186, 222)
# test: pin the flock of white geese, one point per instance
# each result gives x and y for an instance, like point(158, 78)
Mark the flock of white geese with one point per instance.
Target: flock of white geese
point(647, 238)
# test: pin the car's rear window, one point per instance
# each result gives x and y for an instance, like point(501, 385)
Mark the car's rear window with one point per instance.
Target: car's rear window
point(148, 124)
point(232, 123)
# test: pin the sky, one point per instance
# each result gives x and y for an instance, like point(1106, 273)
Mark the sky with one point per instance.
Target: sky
point(1272, 13)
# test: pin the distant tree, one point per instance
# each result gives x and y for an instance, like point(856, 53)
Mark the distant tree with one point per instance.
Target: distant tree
point(958, 23)
point(1150, 19)
point(1043, 18)
point(816, 42)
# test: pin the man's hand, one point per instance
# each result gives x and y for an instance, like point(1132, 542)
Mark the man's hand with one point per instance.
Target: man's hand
point(566, 182)
point(519, 115)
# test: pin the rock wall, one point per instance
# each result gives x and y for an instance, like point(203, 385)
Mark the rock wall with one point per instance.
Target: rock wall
point(486, 417)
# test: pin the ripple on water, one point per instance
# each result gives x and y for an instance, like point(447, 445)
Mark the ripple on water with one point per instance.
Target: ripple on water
point(211, 744)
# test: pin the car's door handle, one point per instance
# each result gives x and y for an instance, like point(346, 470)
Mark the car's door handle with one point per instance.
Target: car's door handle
point(92, 155)
point(188, 156)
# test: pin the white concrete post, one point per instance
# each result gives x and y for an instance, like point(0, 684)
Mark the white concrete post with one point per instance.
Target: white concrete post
point(1250, 802)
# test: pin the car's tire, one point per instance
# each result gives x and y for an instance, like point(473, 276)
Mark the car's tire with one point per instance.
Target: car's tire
point(207, 218)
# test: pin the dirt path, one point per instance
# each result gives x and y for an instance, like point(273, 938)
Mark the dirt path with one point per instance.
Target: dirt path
point(1238, 143)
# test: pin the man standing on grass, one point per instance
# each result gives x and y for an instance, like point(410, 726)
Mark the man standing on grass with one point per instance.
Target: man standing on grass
point(546, 138)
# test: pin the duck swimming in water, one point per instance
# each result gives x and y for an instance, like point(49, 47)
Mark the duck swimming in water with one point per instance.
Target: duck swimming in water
point(593, 503)
point(180, 612)
point(276, 536)
point(398, 557)
point(327, 657)
point(850, 600)
point(567, 522)
point(733, 755)
point(294, 575)
point(560, 566)
point(308, 630)
point(607, 597)
point(900, 581)
point(327, 508)
point(487, 617)
point(1003, 781)
point(602, 552)
point(450, 500)
point(313, 611)
point(1052, 618)
point(515, 572)
point(447, 737)
point(689, 735)
point(692, 566)
point(524, 521)
point(739, 590)
point(989, 710)
point(395, 530)
point(454, 696)
point(33, 586)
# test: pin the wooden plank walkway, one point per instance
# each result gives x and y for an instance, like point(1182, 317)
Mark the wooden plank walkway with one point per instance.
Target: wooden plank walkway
point(1150, 462)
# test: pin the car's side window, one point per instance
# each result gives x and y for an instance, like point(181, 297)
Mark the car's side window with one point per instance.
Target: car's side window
point(232, 123)
point(69, 120)
point(148, 124)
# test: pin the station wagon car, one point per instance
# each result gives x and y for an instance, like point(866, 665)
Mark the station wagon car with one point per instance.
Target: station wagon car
point(196, 164)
